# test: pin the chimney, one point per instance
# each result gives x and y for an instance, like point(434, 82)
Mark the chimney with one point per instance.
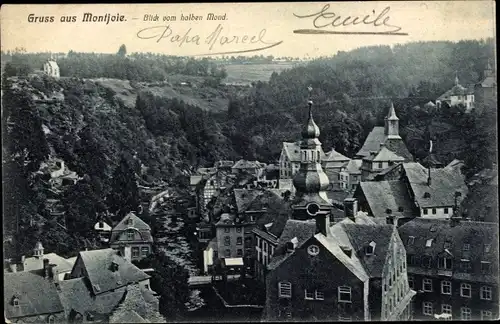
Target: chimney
point(290, 246)
point(429, 176)
point(323, 223)
point(47, 268)
point(350, 208)
point(23, 258)
point(382, 145)
point(390, 217)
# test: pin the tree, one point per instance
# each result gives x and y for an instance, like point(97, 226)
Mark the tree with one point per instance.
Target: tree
point(170, 281)
point(122, 51)
point(124, 194)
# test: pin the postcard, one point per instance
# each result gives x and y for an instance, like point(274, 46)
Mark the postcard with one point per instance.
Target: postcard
point(281, 161)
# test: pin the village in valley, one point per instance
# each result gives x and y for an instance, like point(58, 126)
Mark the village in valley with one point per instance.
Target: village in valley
point(148, 188)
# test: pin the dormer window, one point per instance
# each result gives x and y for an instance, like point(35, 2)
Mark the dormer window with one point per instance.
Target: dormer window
point(487, 248)
point(130, 221)
point(130, 235)
point(428, 243)
point(370, 248)
point(411, 240)
point(114, 266)
point(15, 301)
point(466, 247)
point(427, 195)
point(96, 287)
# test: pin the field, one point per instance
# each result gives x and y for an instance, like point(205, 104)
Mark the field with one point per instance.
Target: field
point(245, 74)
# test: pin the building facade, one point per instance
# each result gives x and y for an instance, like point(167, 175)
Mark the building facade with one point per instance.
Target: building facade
point(132, 235)
point(458, 95)
point(453, 265)
point(350, 175)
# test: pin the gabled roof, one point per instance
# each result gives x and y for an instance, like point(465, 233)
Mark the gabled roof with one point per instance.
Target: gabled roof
point(444, 183)
point(137, 223)
point(52, 64)
point(372, 142)
point(362, 235)
point(477, 235)
point(36, 295)
point(457, 90)
point(384, 154)
point(226, 219)
point(243, 198)
point(98, 267)
point(383, 195)
point(353, 166)
point(35, 263)
point(488, 82)
point(399, 147)
point(244, 164)
point(292, 151)
point(334, 156)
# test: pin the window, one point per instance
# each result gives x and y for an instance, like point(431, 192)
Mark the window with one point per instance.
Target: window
point(51, 319)
point(411, 282)
point(285, 289)
point(446, 210)
point(465, 313)
point(319, 295)
point(433, 211)
point(466, 247)
point(486, 315)
point(447, 244)
point(412, 260)
point(309, 295)
point(427, 284)
point(380, 165)
point(370, 248)
point(424, 210)
point(486, 292)
point(228, 253)
point(145, 251)
point(239, 240)
point(238, 229)
point(344, 294)
point(239, 252)
point(446, 309)
point(465, 290)
point(427, 308)
point(15, 301)
point(426, 261)
point(444, 263)
point(411, 240)
point(465, 265)
point(485, 267)
point(226, 230)
point(428, 243)
point(446, 287)
point(135, 252)
point(130, 235)
point(146, 286)
point(487, 248)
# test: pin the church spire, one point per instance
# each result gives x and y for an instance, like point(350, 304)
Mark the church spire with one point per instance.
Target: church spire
point(311, 181)
point(456, 78)
point(392, 113)
point(391, 121)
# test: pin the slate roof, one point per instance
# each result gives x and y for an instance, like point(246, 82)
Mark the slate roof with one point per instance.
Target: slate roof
point(334, 156)
point(383, 195)
point(34, 263)
point(384, 155)
point(137, 224)
point(226, 219)
point(488, 82)
point(476, 234)
point(292, 151)
point(98, 267)
point(353, 166)
point(372, 142)
point(245, 164)
point(361, 235)
point(398, 146)
point(457, 90)
point(76, 294)
point(444, 183)
point(302, 230)
point(36, 294)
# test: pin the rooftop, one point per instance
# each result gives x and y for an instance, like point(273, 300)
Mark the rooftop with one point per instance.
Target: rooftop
point(383, 195)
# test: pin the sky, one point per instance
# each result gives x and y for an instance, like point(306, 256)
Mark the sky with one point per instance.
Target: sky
point(244, 22)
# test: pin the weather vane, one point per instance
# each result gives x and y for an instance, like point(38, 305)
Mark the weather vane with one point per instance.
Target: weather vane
point(309, 88)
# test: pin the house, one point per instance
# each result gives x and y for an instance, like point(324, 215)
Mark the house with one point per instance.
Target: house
point(134, 235)
point(436, 192)
point(453, 264)
point(289, 163)
point(32, 297)
point(254, 168)
point(100, 281)
point(378, 161)
point(458, 95)
point(485, 91)
point(389, 135)
point(51, 68)
point(350, 175)
point(344, 272)
point(104, 230)
point(59, 265)
point(382, 199)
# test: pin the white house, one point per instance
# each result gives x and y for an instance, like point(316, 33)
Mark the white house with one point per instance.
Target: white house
point(51, 69)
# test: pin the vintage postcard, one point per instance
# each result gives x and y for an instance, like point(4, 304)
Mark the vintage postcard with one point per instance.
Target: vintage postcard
point(207, 162)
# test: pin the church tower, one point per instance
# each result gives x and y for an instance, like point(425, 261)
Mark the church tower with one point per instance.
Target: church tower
point(392, 124)
point(310, 181)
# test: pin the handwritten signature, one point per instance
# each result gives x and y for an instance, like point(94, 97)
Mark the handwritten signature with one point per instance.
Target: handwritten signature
point(325, 18)
point(215, 39)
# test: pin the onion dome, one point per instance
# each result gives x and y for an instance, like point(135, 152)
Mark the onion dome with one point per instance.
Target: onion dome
point(311, 130)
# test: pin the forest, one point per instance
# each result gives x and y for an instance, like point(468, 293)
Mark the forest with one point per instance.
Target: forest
point(114, 147)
